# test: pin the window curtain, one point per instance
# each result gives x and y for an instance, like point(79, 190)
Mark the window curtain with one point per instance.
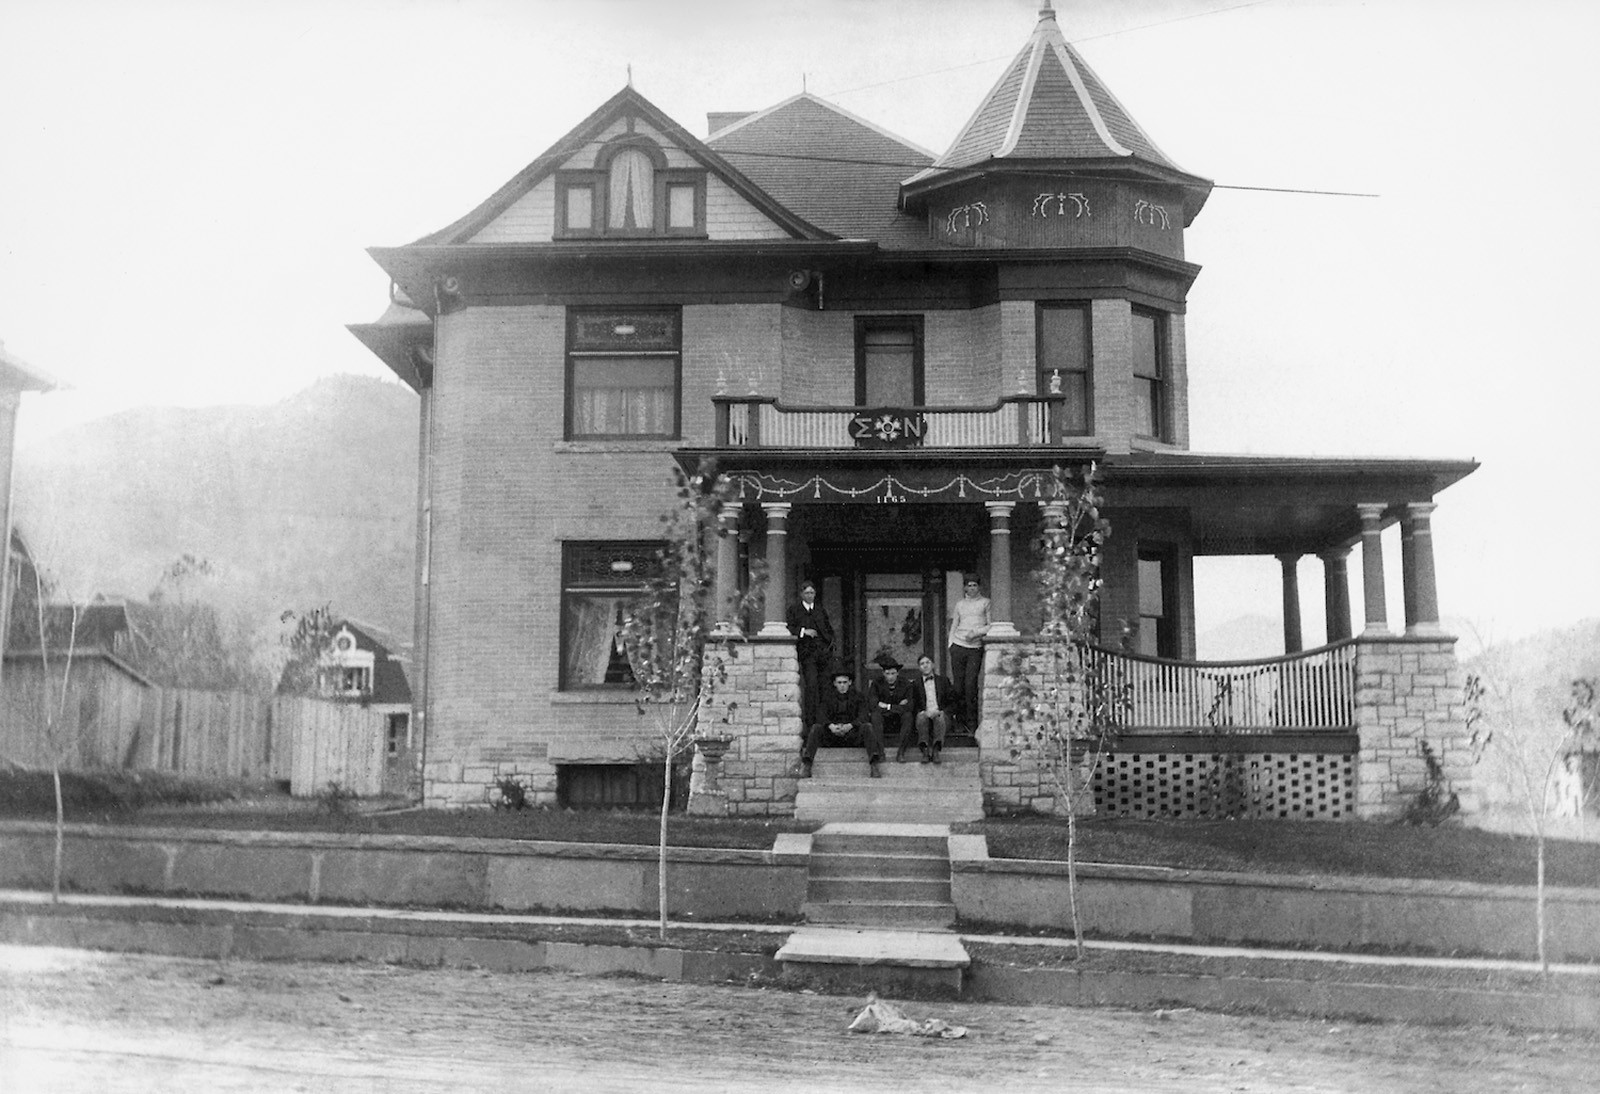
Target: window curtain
point(632, 195)
point(619, 397)
point(592, 635)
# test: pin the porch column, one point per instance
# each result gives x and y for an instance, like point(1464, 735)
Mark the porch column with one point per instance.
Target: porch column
point(1336, 592)
point(773, 625)
point(1416, 566)
point(1000, 623)
point(1293, 640)
point(728, 571)
point(1377, 613)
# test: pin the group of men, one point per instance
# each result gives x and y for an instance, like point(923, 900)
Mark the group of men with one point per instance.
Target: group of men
point(924, 708)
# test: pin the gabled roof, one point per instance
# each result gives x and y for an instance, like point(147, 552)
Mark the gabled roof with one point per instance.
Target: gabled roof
point(838, 171)
point(1049, 108)
point(17, 373)
point(627, 101)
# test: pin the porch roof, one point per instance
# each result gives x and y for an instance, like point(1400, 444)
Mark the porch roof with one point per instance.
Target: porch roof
point(1273, 504)
point(1233, 504)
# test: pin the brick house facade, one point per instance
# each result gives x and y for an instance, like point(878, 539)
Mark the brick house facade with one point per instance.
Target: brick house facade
point(769, 296)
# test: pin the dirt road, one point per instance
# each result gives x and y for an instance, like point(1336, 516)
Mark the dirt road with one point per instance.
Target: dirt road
point(73, 1021)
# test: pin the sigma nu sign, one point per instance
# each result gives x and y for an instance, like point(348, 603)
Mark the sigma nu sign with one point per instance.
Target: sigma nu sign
point(888, 427)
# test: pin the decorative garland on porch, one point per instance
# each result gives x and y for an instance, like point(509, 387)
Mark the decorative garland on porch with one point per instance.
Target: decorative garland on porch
point(1017, 485)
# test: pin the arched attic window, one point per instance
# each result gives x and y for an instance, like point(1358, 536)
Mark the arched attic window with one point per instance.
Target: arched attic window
point(631, 192)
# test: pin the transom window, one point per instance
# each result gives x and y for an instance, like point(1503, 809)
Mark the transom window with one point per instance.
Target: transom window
point(889, 360)
point(1150, 409)
point(599, 583)
point(630, 193)
point(623, 372)
point(1065, 351)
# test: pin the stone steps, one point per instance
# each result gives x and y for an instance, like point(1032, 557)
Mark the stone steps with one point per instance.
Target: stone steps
point(893, 876)
point(841, 789)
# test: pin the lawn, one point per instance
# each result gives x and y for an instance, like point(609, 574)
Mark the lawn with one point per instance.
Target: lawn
point(1446, 853)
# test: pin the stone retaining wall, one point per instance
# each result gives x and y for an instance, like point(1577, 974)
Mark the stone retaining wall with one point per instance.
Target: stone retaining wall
point(508, 875)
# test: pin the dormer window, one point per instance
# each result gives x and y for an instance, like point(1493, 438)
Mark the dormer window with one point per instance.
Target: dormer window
point(631, 198)
point(631, 193)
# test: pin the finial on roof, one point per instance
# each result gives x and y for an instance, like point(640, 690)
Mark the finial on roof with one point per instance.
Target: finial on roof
point(1047, 12)
point(630, 75)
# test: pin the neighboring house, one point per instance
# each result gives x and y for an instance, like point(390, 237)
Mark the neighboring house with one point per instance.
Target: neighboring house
point(886, 349)
point(357, 667)
point(16, 376)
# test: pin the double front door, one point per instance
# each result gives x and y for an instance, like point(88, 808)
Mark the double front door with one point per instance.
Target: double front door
point(888, 602)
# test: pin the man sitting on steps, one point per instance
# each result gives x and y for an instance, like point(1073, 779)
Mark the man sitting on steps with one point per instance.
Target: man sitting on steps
point(889, 700)
point(933, 697)
point(843, 722)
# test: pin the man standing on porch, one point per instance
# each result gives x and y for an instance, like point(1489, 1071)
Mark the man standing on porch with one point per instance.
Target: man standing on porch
point(968, 624)
point(931, 701)
point(813, 648)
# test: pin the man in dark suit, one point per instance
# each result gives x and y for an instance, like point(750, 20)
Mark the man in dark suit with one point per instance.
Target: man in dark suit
point(813, 648)
point(843, 722)
point(933, 698)
point(889, 700)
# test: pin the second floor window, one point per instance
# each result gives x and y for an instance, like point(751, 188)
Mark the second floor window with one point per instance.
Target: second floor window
point(889, 360)
point(1150, 408)
point(623, 371)
point(1064, 351)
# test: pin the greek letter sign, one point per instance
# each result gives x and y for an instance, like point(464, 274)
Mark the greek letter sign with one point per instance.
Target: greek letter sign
point(888, 427)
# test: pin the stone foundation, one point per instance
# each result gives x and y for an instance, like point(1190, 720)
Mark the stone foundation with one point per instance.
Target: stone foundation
point(1409, 690)
point(1021, 784)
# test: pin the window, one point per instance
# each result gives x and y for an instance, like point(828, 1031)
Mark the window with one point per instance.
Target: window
point(622, 372)
point(577, 207)
point(889, 360)
point(1064, 351)
point(615, 786)
point(1158, 596)
point(1149, 374)
point(598, 585)
point(631, 199)
point(630, 193)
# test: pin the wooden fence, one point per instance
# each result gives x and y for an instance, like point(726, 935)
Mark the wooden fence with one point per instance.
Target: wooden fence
point(110, 719)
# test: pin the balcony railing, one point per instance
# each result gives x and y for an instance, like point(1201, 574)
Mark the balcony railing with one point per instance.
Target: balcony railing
point(1314, 690)
point(1014, 421)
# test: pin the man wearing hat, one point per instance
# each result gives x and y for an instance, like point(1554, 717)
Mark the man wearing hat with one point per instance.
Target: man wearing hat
point(889, 702)
point(843, 722)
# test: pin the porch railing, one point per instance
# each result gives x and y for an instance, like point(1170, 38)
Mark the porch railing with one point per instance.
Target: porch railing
point(760, 421)
point(1314, 690)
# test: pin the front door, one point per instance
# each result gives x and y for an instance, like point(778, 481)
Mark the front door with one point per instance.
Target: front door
point(888, 603)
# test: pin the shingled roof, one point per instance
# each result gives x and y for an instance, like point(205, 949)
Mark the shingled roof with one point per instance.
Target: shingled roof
point(1049, 106)
point(825, 164)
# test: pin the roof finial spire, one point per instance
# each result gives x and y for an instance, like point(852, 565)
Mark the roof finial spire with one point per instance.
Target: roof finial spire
point(630, 67)
point(1047, 12)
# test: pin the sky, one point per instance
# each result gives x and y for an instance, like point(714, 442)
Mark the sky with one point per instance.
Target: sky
point(189, 189)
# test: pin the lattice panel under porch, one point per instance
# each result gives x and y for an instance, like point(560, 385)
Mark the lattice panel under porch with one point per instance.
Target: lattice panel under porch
point(1250, 785)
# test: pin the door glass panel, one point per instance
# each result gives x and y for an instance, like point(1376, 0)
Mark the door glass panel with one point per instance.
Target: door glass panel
point(893, 624)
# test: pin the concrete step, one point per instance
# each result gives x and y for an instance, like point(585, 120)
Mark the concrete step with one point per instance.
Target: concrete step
point(880, 800)
point(869, 913)
point(879, 890)
point(857, 960)
point(826, 864)
point(933, 842)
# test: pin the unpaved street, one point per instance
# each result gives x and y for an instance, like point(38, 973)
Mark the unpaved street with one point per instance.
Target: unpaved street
point(105, 1023)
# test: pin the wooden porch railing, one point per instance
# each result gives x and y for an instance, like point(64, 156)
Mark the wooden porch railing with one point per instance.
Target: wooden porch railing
point(760, 421)
point(1314, 690)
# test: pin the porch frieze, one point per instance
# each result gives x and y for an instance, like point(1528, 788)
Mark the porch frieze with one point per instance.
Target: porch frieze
point(874, 486)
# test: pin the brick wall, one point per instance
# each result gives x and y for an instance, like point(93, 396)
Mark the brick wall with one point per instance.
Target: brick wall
point(1408, 690)
point(1111, 331)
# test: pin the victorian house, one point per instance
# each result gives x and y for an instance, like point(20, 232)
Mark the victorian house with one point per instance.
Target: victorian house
point(887, 349)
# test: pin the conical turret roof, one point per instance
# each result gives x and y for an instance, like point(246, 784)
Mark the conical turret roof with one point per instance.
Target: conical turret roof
point(1049, 106)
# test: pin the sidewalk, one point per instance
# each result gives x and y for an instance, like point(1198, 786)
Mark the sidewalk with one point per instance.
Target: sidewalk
point(1005, 968)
